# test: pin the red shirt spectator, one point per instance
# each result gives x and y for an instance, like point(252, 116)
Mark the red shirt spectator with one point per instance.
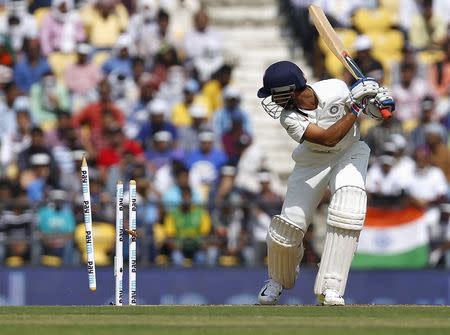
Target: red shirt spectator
point(93, 114)
point(118, 146)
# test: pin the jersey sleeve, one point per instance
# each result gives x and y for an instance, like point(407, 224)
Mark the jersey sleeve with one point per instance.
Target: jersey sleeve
point(295, 124)
point(342, 91)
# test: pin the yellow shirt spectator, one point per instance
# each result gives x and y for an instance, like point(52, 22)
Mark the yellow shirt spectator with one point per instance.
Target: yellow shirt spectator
point(182, 111)
point(212, 90)
point(104, 22)
point(213, 94)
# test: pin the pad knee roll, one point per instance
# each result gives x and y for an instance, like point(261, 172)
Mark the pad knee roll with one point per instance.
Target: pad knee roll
point(284, 250)
point(347, 209)
point(345, 220)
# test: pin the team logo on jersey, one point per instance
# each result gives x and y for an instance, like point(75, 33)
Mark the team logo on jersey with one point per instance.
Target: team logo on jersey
point(334, 110)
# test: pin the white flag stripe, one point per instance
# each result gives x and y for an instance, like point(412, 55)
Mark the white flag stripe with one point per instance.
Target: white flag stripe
point(394, 240)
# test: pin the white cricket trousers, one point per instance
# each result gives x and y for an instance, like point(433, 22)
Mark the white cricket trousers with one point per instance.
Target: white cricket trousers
point(314, 171)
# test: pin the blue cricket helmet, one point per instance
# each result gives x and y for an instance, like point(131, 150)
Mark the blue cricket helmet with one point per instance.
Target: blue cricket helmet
point(280, 75)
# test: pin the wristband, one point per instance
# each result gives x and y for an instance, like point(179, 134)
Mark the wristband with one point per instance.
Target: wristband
point(355, 109)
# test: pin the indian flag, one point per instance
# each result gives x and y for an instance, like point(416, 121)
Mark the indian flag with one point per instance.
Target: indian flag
point(393, 238)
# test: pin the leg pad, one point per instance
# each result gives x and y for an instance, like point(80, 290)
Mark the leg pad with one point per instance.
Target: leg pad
point(285, 251)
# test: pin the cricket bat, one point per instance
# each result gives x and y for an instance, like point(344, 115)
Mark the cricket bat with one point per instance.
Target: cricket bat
point(334, 43)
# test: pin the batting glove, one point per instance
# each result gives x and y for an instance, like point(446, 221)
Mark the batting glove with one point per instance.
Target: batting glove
point(383, 99)
point(364, 89)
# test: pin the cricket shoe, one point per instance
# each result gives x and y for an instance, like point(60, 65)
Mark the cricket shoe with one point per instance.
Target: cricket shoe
point(270, 293)
point(331, 298)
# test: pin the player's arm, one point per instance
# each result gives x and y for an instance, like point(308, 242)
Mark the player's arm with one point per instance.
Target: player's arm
point(332, 135)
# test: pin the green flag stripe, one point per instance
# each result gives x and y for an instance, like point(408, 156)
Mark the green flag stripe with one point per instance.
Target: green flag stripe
point(413, 259)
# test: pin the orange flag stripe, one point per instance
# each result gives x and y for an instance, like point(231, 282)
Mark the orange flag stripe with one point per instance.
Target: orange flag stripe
point(384, 218)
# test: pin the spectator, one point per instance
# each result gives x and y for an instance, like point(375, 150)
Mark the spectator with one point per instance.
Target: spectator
point(212, 90)
point(207, 153)
point(7, 111)
point(37, 146)
point(230, 216)
point(162, 150)
point(124, 91)
point(235, 140)
point(158, 110)
point(138, 68)
point(145, 14)
point(61, 29)
point(253, 159)
point(173, 196)
point(166, 60)
point(403, 162)
point(83, 77)
point(410, 56)
point(165, 176)
point(426, 117)
point(370, 66)
point(382, 182)
point(439, 74)
point(7, 55)
point(117, 147)
point(189, 135)
point(93, 113)
point(156, 31)
point(16, 221)
point(427, 189)
point(17, 24)
point(409, 93)
point(141, 24)
point(149, 202)
point(56, 225)
point(183, 11)
point(104, 21)
point(181, 116)
point(120, 61)
point(187, 228)
point(223, 118)
point(428, 30)
point(435, 135)
point(31, 66)
point(63, 141)
point(377, 136)
point(139, 112)
point(40, 177)
point(203, 46)
point(268, 204)
point(21, 138)
point(48, 96)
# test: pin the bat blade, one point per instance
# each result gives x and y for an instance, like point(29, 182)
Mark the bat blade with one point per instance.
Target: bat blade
point(332, 40)
point(334, 43)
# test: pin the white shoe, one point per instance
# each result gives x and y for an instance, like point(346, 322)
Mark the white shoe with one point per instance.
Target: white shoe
point(331, 298)
point(270, 293)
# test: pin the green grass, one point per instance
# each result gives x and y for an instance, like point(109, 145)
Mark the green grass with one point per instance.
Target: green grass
point(217, 320)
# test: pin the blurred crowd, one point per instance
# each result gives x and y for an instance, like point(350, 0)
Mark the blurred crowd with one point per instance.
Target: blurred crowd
point(143, 89)
point(405, 45)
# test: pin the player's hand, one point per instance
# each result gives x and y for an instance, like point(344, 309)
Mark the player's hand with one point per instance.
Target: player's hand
point(364, 89)
point(383, 100)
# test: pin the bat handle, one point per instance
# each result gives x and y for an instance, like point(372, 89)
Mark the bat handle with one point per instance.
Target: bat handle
point(385, 113)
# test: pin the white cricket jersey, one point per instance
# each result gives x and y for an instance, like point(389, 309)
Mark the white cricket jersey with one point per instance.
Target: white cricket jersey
point(332, 97)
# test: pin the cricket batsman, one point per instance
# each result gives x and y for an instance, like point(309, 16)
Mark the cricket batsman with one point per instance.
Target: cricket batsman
point(321, 117)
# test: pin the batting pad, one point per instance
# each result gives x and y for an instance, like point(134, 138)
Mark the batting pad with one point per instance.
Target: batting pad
point(285, 251)
point(344, 223)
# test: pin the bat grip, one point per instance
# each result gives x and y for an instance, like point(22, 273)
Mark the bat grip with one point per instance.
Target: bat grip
point(385, 113)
